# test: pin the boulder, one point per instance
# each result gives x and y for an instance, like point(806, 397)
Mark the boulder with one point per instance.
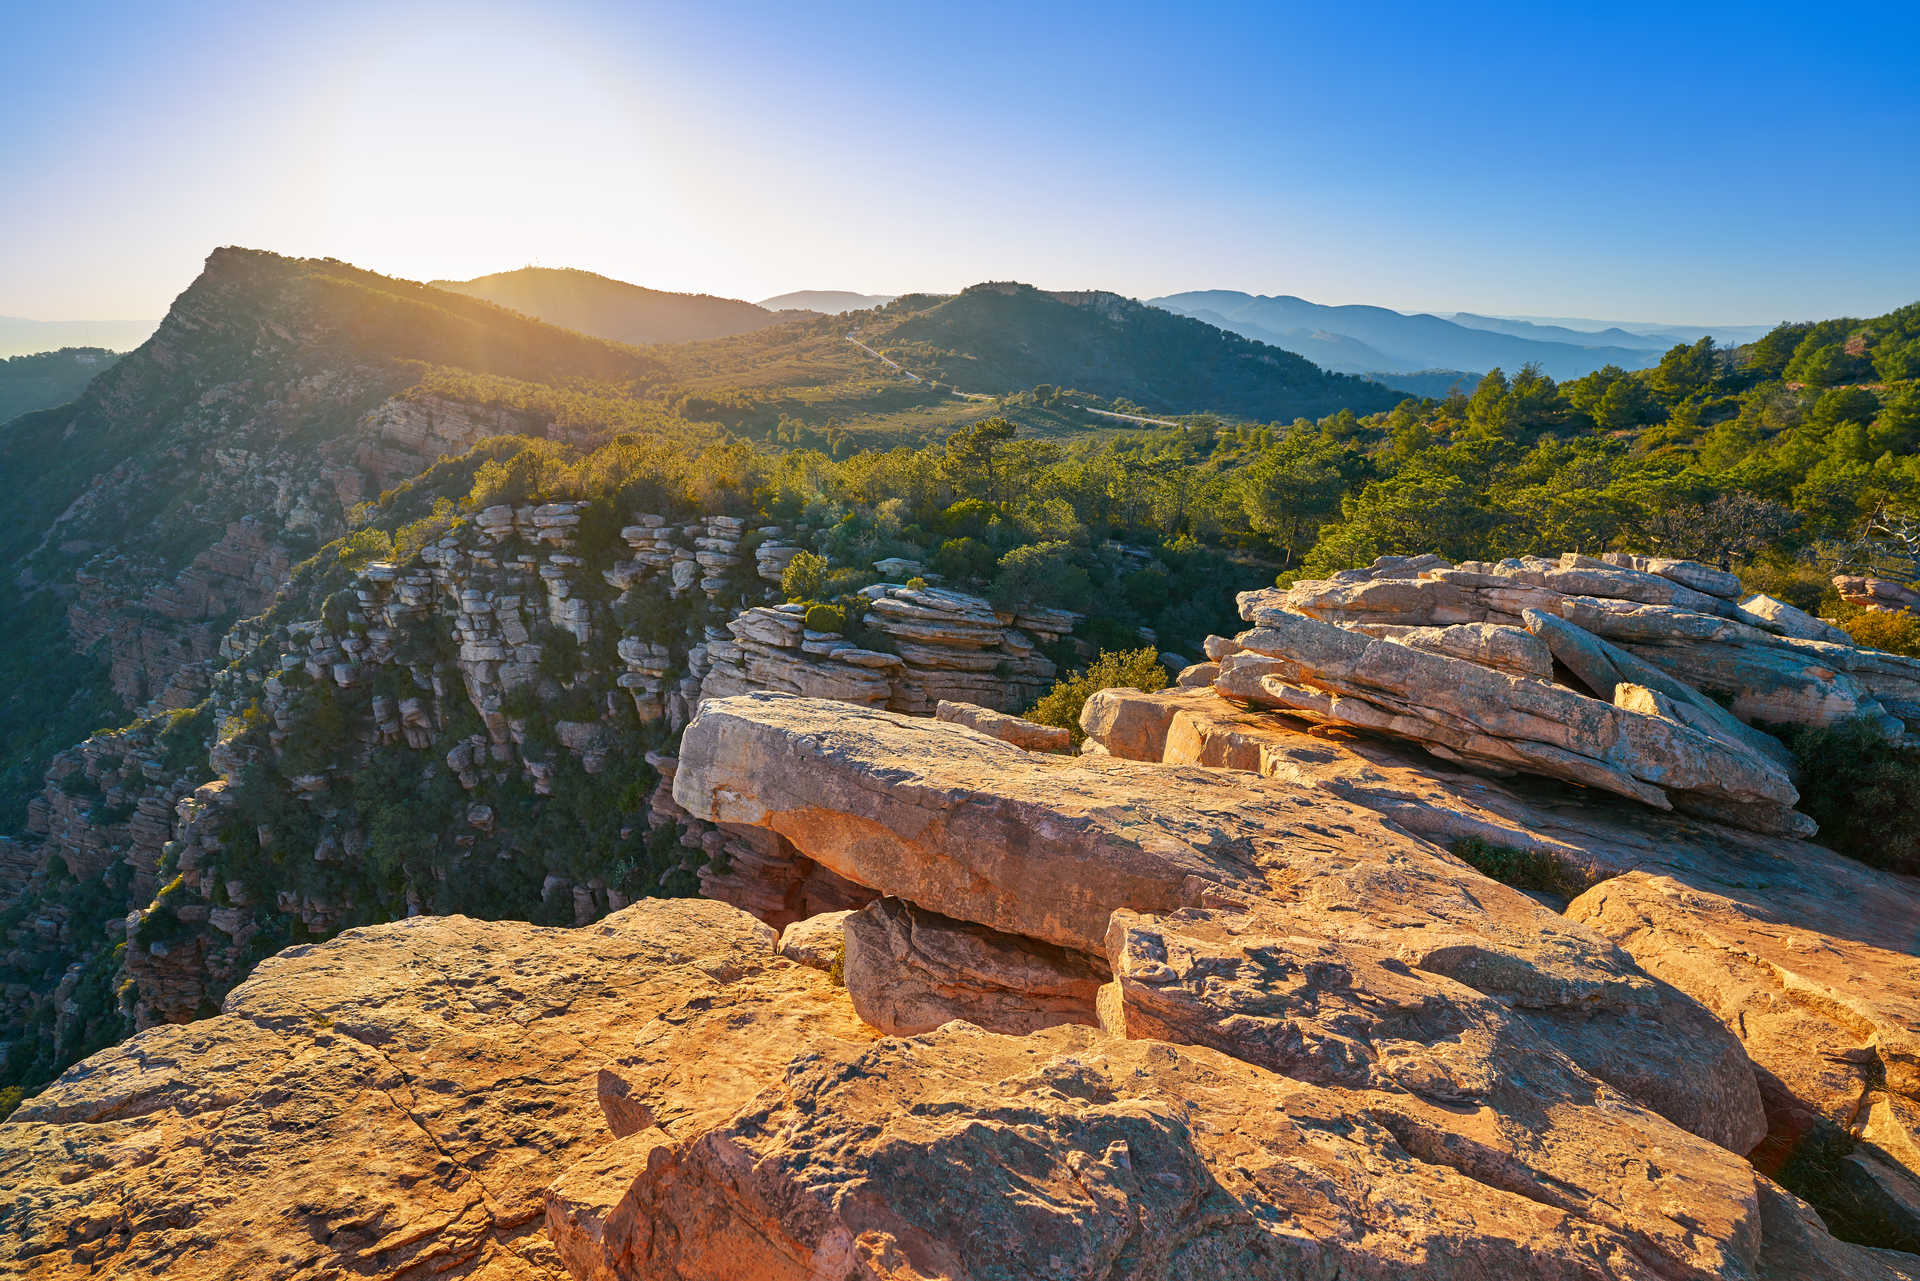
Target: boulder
point(1029, 735)
point(909, 971)
point(1126, 726)
point(1049, 847)
point(1777, 616)
point(1877, 593)
point(816, 942)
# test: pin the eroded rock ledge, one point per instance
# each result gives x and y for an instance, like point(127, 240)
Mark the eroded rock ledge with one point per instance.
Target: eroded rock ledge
point(1268, 1029)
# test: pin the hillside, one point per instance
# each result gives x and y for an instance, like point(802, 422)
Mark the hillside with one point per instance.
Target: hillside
point(1395, 343)
point(20, 337)
point(48, 378)
point(277, 393)
point(1595, 333)
point(828, 302)
point(613, 309)
point(994, 338)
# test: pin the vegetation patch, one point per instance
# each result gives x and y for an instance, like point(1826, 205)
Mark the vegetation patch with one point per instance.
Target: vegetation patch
point(1522, 869)
point(1862, 788)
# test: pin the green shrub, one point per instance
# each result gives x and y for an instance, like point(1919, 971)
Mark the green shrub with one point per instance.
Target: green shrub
point(1864, 791)
point(805, 576)
point(1041, 574)
point(1895, 631)
point(826, 618)
point(1129, 669)
point(1522, 869)
point(964, 559)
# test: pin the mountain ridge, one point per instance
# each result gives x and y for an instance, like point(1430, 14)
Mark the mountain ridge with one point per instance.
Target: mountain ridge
point(996, 337)
point(1407, 343)
point(615, 310)
point(831, 302)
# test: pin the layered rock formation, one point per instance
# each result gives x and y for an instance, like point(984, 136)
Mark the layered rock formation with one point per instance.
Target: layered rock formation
point(1607, 672)
point(937, 645)
point(1807, 957)
point(1102, 1018)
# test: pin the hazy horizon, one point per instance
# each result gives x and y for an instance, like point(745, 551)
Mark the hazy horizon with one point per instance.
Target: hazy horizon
point(1510, 162)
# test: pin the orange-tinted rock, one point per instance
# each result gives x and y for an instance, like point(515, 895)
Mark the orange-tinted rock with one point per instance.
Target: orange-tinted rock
point(1049, 847)
point(909, 970)
point(965, 1154)
point(389, 1103)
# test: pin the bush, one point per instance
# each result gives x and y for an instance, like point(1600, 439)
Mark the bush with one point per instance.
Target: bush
point(1041, 574)
point(1895, 631)
point(1522, 869)
point(805, 576)
point(1114, 669)
point(826, 618)
point(963, 559)
point(1864, 791)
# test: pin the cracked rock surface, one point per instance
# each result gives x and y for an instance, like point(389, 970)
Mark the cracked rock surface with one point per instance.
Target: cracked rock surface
point(389, 1103)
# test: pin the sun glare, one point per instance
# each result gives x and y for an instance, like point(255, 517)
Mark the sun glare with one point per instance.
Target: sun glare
point(450, 154)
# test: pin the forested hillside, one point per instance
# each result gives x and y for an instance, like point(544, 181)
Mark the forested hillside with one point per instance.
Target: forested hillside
point(995, 337)
point(48, 378)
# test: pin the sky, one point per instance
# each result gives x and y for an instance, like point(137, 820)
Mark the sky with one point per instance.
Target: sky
point(1718, 164)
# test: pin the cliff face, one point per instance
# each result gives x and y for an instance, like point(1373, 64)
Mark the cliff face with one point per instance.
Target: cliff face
point(486, 725)
point(170, 504)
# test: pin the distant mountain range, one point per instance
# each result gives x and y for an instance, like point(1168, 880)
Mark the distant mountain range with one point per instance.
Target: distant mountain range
point(1002, 337)
point(1374, 340)
point(614, 309)
point(21, 337)
point(1579, 329)
point(830, 301)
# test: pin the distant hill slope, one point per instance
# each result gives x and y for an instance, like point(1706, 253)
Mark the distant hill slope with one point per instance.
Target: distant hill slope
point(48, 378)
point(830, 301)
point(1004, 337)
point(1430, 384)
point(1605, 336)
point(613, 309)
point(19, 337)
point(1403, 343)
point(1584, 331)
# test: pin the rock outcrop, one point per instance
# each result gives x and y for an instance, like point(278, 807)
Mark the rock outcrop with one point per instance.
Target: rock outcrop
point(1806, 956)
point(390, 1103)
point(1877, 593)
point(1048, 848)
point(1249, 1027)
point(934, 646)
point(1647, 678)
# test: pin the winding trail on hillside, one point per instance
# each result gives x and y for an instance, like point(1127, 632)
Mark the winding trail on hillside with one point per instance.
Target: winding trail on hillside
point(1132, 418)
point(854, 338)
point(898, 368)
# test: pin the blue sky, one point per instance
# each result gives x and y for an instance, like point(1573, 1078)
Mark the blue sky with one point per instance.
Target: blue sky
point(1725, 164)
